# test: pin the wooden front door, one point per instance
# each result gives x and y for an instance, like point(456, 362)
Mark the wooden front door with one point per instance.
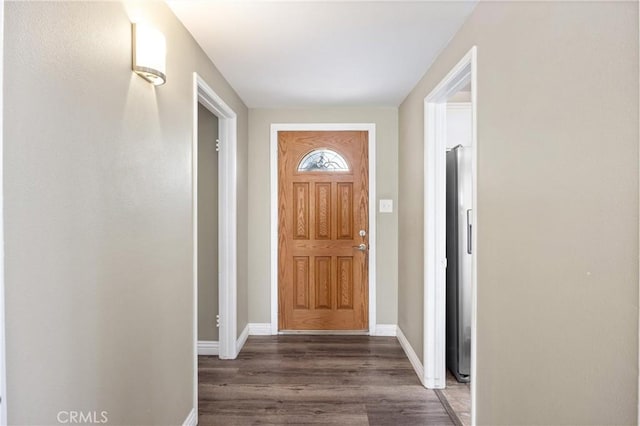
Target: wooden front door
point(323, 230)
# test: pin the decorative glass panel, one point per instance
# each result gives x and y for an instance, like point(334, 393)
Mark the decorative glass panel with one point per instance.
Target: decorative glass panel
point(323, 160)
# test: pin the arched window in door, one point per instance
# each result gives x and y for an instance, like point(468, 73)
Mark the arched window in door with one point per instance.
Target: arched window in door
point(323, 160)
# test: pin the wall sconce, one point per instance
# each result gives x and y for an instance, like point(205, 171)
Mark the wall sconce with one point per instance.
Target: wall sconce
point(149, 53)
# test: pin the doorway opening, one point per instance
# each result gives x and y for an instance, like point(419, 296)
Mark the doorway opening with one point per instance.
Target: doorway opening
point(211, 116)
point(450, 235)
point(208, 242)
point(345, 220)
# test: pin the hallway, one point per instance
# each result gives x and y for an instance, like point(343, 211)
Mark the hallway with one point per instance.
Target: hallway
point(100, 244)
point(354, 380)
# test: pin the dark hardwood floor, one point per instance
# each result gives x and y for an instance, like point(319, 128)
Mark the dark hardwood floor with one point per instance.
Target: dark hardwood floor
point(345, 380)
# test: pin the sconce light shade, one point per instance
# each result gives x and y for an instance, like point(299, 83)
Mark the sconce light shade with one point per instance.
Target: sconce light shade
point(149, 53)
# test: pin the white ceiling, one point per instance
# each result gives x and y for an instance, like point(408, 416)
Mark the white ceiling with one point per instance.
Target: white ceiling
point(332, 53)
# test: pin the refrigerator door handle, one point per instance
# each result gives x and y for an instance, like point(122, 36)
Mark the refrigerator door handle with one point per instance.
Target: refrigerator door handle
point(469, 231)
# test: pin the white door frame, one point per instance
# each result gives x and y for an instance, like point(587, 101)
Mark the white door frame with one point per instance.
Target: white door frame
point(3, 375)
point(227, 228)
point(371, 129)
point(435, 139)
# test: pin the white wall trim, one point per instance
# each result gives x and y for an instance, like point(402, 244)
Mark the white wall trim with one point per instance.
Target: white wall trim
point(192, 418)
point(463, 73)
point(3, 370)
point(474, 235)
point(242, 339)
point(434, 247)
point(227, 228)
point(259, 329)
point(273, 184)
point(386, 330)
point(208, 347)
point(371, 129)
point(462, 106)
point(411, 354)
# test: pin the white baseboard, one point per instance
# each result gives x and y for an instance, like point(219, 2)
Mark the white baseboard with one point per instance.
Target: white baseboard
point(386, 330)
point(411, 354)
point(242, 339)
point(259, 329)
point(207, 347)
point(192, 418)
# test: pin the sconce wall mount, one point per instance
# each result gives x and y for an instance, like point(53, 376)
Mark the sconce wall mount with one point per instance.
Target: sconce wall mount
point(149, 51)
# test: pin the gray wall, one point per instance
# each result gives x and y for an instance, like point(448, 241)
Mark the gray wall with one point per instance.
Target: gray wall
point(97, 167)
point(260, 120)
point(557, 210)
point(207, 225)
point(3, 386)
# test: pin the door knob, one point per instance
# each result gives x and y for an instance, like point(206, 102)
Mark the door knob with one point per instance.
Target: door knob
point(361, 247)
point(362, 233)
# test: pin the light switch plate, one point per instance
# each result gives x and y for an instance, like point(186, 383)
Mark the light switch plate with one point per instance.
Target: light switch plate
point(386, 206)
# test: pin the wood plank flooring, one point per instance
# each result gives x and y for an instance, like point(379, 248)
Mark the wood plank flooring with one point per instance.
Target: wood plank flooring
point(458, 397)
point(345, 380)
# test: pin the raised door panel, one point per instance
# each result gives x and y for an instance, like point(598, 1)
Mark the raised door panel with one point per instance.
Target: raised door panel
point(301, 211)
point(322, 282)
point(301, 282)
point(323, 211)
point(345, 210)
point(345, 282)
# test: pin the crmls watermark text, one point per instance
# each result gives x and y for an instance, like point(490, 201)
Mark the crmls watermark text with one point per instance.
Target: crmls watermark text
point(84, 417)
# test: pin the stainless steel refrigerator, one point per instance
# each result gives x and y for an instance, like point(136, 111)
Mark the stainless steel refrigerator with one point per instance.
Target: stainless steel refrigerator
point(459, 226)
